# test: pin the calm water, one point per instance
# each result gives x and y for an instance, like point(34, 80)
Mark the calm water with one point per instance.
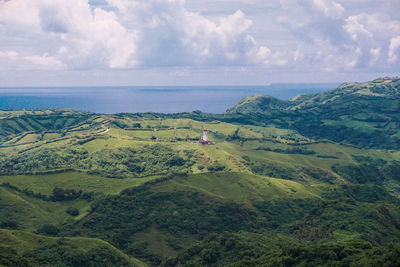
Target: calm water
point(165, 99)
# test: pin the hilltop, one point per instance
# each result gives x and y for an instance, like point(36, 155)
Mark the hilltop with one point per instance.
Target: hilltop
point(259, 103)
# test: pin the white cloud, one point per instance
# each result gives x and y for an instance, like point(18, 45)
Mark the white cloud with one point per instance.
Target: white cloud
point(329, 8)
point(45, 61)
point(172, 35)
point(91, 37)
point(374, 34)
point(296, 35)
point(129, 33)
point(9, 55)
point(355, 28)
point(337, 38)
point(375, 55)
point(394, 49)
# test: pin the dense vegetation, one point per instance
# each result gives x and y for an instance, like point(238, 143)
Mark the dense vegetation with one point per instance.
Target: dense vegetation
point(25, 249)
point(367, 212)
point(288, 183)
point(121, 162)
point(234, 250)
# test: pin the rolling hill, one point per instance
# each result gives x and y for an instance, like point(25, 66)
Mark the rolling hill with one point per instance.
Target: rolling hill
point(362, 114)
point(310, 181)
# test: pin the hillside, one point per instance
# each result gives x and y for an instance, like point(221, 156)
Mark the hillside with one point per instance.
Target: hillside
point(362, 114)
point(18, 248)
point(297, 182)
point(259, 103)
point(380, 95)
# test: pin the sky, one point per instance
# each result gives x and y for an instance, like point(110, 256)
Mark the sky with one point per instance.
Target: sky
point(196, 42)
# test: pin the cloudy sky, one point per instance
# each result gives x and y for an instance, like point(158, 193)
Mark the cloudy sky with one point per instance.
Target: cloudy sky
point(196, 42)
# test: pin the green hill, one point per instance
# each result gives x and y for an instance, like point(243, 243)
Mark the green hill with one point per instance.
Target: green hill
point(18, 248)
point(380, 95)
point(362, 114)
point(259, 103)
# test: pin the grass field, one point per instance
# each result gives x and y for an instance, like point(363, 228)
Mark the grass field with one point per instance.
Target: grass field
point(31, 213)
point(240, 187)
point(45, 183)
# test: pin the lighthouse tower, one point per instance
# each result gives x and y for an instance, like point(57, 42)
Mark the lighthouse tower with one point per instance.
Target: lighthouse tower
point(205, 135)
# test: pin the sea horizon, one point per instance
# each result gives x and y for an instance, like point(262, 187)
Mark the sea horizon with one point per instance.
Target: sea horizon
point(141, 99)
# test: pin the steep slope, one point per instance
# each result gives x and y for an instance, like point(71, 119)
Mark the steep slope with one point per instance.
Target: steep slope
point(18, 248)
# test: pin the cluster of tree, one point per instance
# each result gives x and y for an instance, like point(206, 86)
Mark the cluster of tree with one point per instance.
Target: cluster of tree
point(63, 253)
point(58, 194)
point(216, 167)
point(9, 224)
point(233, 250)
point(123, 125)
point(120, 162)
point(10, 257)
point(276, 170)
point(369, 172)
point(296, 150)
point(41, 160)
point(352, 253)
point(141, 161)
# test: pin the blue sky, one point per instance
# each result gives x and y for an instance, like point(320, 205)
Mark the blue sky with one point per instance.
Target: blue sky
point(193, 42)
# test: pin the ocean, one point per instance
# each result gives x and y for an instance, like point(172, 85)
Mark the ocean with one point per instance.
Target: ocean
point(133, 99)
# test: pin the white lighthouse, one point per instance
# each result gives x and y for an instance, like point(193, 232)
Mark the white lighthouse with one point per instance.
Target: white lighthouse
point(204, 140)
point(205, 135)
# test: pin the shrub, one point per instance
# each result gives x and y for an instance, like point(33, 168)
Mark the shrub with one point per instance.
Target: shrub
point(48, 229)
point(72, 211)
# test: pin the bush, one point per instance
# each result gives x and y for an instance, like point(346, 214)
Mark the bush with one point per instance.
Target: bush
point(48, 229)
point(216, 167)
point(9, 224)
point(72, 211)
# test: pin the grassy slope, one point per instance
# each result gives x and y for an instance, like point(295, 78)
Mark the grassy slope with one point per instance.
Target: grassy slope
point(45, 183)
point(31, 213)
point(35, 247)
point(239, 187)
